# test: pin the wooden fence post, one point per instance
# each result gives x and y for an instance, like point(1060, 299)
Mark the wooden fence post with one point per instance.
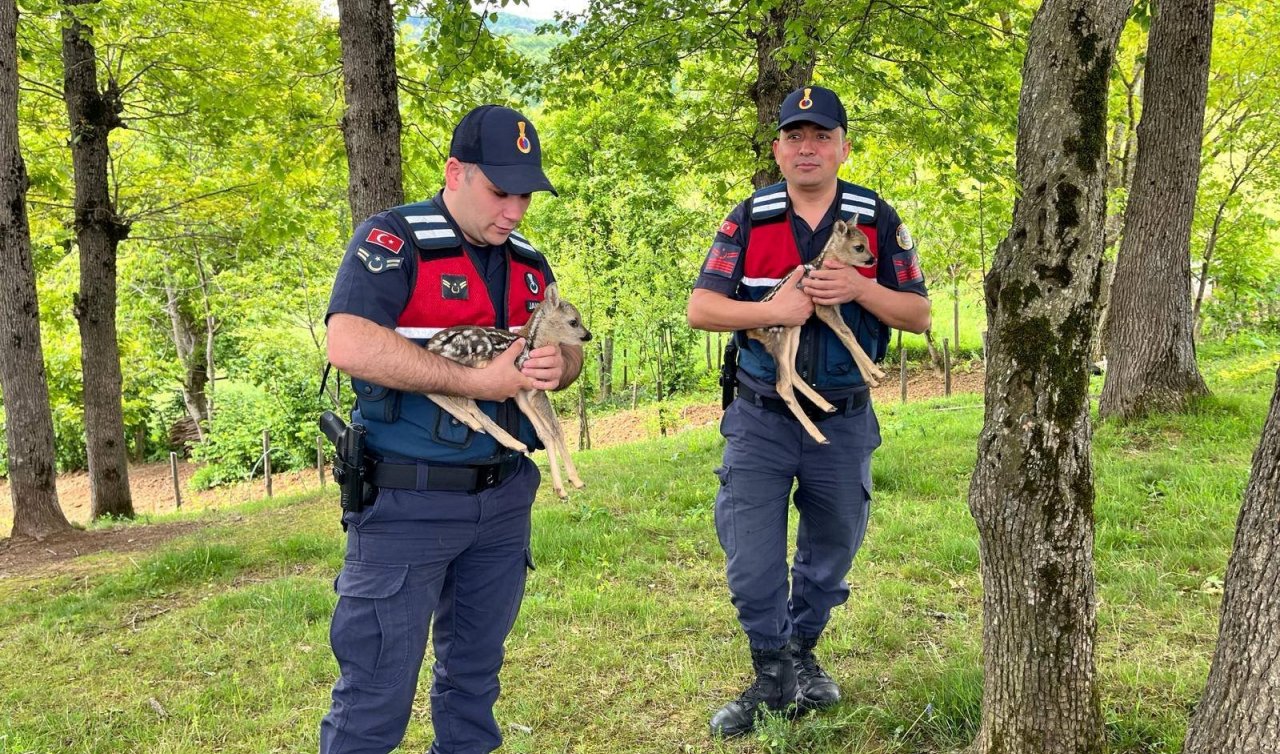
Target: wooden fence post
point(946, 368)
point(903, 372)
point(266, 459)
point(177, 488)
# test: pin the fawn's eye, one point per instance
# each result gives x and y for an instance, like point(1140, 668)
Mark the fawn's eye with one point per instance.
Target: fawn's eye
point(573, 323)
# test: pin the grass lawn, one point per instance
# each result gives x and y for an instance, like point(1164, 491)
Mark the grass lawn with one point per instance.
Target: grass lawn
point(627, 641)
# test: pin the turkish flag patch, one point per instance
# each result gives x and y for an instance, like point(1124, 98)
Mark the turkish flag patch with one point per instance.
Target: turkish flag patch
point(388, 241)
point(907, 266)
point(722, 260)
point(728, 227)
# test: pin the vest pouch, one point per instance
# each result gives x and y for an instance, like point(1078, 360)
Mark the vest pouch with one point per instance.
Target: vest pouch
point(451, 432)
point(377, 403)
point(836, 359)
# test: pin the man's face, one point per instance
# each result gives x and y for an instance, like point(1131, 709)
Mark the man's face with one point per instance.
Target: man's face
point(809, 155)
point(485, 214)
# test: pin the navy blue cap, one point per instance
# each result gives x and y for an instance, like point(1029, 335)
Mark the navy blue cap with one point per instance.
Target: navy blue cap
point(813, 104)
point(504, 144)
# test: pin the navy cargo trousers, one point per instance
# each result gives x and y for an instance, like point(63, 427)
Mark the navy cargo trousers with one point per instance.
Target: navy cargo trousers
point(457, 556)
point(765, 453)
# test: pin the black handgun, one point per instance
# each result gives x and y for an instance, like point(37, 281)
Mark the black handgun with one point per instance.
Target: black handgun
point(350, 467)
point(728, 374)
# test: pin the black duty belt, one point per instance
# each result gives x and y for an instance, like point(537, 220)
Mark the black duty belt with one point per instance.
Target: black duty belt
point(436, 478)
point(851, 402)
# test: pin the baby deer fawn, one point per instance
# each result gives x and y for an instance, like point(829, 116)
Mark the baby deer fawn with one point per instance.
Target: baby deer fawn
point(554, 322)
point(847, 245)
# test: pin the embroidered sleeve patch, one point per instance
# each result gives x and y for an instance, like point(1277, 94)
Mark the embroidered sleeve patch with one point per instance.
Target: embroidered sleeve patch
point(728, 227)
point(722, 260)
point(377, 262)
point(905, 241)
point(907, 267)
point(388, 241)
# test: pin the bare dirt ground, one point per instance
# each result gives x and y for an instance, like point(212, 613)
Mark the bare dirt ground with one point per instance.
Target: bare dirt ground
point(152, 485)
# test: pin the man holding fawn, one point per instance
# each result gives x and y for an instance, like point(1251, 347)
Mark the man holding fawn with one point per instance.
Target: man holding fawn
point(764, 239)
point(445, 543)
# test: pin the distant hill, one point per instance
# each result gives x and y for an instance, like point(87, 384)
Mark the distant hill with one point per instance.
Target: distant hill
point(520, 30)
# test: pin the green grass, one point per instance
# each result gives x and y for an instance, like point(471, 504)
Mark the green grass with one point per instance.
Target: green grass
point(627, 641)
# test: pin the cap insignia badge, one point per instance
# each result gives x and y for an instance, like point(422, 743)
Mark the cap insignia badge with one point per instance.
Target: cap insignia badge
point(522, 141)
point(806, 102)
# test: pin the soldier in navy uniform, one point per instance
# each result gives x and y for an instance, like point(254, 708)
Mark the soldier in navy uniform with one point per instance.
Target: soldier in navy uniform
point(773, 233)
point(445, 543)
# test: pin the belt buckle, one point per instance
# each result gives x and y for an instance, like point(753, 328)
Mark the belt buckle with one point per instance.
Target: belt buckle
point(489, 476)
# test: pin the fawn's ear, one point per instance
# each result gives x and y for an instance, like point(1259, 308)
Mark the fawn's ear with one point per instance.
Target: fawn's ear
point(841, 227)
point(553, 294)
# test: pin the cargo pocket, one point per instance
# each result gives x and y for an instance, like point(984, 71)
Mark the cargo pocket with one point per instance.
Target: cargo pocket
point(724, 511)
point(377, 403)
point(370, 630)
point(449, 431)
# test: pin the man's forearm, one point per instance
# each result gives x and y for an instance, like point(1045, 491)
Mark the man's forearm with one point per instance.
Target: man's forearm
point(373, 353)
point(901, 310)
point(716, 312)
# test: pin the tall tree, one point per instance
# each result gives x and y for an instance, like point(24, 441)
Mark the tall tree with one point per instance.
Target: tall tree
point(779, 71)
point(371, 125)
point(1032, 490)
point(28, 421)
point(1240, 710)
point(99, 230)
point(1151, 355)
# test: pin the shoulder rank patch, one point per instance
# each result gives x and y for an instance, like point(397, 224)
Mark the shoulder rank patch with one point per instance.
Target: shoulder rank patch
point(907, 266)
point(386, 240)
point(905, 241)
point(722, 260)
point(454, 287)
point(728, 227)
point(376, 261)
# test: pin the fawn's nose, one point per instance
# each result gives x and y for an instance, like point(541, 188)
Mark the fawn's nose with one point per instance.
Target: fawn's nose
point(586, 335)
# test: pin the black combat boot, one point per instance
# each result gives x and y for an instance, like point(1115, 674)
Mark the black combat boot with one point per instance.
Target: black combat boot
point(774, 688)
point(817, 690)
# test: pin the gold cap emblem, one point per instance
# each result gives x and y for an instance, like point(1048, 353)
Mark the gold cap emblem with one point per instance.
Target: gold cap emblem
point(522, 141)
point(805, 101)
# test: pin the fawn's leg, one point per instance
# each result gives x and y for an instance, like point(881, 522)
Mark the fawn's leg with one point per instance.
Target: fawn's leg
point(466, 411)
point(871, 374)
point(788, 344)
point(542, 404)
point(548, 441)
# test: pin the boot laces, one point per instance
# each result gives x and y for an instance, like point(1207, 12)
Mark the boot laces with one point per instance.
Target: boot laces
point(809, 667)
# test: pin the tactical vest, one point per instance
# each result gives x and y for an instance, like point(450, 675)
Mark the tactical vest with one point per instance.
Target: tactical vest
point(771, 253)
point(448, 290)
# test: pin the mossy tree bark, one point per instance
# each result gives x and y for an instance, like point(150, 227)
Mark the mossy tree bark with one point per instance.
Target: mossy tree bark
point(776, 77)
point(1151, 355)
point(92, 115)
point(28, 420)
point(371, 124)
point(1032, 490)
point(1240, 710)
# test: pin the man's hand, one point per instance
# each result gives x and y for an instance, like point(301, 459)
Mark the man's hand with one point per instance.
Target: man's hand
point(836, 284)
point(499, 379)
point(791, 306)
point(545, 367)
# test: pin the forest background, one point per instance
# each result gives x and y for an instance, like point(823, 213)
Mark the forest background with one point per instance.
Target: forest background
point(231, 172)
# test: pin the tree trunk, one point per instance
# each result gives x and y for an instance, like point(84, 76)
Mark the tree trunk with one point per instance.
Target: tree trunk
point(1151, 354)
point(99, 230)
point(1032, 490)
point(606, 368)
point(935, 358)
point(775, 79)
point(1240, 710)
point(1202, 285)
point(28, 420)
point(371, 125)
point(194, 368)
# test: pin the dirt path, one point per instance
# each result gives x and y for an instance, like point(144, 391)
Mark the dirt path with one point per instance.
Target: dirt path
point(152, 485)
